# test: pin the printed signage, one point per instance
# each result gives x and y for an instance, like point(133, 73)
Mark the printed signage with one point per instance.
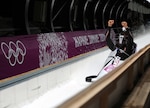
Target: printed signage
point(22, 54)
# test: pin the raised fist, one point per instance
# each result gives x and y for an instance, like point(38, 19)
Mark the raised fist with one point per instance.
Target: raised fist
point(124, 24)
point(110, 23)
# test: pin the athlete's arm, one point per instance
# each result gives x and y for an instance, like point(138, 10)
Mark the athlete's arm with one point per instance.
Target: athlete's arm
point(109, 42)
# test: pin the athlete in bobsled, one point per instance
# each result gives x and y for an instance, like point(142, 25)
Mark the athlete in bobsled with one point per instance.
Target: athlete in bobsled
point(125, 45)
point(120, 49)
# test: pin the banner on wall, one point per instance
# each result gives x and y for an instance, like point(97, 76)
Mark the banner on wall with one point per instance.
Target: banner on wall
point(21, 54)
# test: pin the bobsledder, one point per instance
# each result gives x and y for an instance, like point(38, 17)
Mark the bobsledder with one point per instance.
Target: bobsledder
point(121, 48)
point(123, 41)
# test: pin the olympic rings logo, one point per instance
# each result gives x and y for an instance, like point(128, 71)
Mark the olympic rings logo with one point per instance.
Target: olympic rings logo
point(15, 50)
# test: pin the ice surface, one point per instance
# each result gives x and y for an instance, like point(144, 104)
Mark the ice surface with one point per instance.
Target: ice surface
point(63, 91)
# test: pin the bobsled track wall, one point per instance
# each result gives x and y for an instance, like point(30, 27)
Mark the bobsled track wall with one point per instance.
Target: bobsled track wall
point(108, 90)
point(104, 93)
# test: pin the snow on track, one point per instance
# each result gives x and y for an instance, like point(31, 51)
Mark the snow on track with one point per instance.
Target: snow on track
point(79, 70)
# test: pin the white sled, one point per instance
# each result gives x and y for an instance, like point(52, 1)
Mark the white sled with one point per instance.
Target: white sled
point(111, 63)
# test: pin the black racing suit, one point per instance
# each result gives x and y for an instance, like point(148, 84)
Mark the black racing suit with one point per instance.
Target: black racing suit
point(127, 45)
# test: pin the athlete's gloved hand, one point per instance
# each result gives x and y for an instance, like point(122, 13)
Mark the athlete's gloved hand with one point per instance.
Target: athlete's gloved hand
point(110, 23)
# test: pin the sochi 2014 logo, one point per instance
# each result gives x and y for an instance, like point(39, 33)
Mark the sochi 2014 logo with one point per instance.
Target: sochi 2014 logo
point(14, 52)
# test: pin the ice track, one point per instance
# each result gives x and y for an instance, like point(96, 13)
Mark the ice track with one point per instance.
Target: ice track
point(76, 81)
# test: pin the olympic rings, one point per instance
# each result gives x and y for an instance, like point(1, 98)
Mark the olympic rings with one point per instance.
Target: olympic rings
point(8, 52)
